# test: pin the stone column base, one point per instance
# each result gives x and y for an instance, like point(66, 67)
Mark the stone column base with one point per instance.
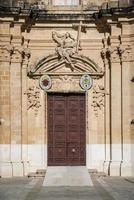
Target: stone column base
point(10, 169)
point(127, 169)
point(17, 168)
point(114, 168)
point(6, 169)
point(106, 166)
point(26, 167)
point(34, 168)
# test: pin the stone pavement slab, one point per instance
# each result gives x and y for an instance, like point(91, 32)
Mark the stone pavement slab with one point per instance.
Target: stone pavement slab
point(69, 193)
point(104, 188)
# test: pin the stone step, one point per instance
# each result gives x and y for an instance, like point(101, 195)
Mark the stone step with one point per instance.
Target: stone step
point(67, 176)
point(102, 174)
point(93, 171)
point(40, 171)
point(36, 175)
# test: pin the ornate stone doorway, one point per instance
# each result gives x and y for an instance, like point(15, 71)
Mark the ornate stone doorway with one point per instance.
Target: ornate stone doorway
point(68, 72)
point(66, 129)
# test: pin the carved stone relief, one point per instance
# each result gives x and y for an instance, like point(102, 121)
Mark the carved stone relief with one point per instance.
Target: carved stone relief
point(65, 83)
point(33, 98)
point(99, 93)
point(66, 47)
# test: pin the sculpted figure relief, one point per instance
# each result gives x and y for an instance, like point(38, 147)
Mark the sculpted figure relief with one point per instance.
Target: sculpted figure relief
point(66, 46)
point(99, 93)
point(33, 97)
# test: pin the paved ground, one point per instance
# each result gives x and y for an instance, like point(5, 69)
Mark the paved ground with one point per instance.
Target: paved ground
point(104, 188)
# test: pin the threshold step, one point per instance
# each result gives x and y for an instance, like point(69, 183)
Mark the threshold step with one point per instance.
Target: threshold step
point(93, 171)
point(35, 175)
point(102, 174)
point(40, 171)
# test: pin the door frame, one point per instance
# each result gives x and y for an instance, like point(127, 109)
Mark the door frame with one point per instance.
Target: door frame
point(86, 119)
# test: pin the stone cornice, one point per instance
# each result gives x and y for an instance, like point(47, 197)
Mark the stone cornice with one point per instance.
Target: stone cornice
point(118, 14)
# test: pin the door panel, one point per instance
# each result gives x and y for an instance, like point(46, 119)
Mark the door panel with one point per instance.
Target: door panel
point(66, 129)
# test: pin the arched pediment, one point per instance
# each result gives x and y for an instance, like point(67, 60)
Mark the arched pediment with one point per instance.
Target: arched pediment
point(53, 64)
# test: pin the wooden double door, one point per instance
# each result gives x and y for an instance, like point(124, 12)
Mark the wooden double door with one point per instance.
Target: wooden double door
point(66, 130)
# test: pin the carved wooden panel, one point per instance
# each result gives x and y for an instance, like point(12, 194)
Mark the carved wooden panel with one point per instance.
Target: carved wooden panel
point(66, 129)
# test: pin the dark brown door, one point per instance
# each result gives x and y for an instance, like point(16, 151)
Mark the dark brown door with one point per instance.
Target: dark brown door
point(66, 129)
